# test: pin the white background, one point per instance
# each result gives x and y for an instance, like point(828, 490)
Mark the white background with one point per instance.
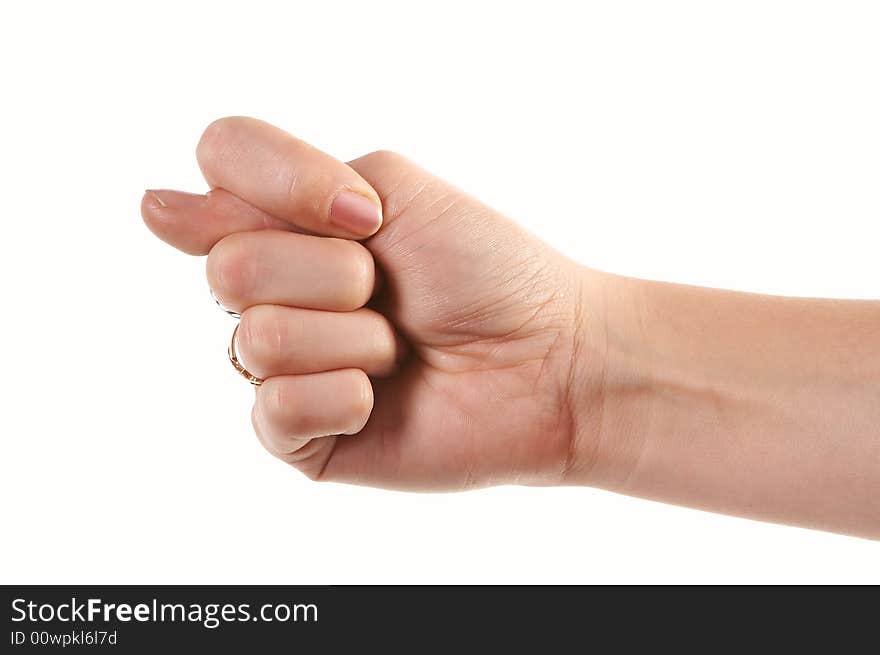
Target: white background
point(732, 144)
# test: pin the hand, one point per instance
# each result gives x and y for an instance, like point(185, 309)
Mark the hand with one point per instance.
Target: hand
point(470, 333)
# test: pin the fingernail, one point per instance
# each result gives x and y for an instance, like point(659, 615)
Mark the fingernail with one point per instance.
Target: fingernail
point(166, 198)
point(157, 198)
point(355, 213)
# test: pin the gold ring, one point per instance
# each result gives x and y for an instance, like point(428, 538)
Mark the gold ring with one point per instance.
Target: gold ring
point(233, 357)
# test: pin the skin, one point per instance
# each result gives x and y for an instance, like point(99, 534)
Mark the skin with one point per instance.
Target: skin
point(448, 349)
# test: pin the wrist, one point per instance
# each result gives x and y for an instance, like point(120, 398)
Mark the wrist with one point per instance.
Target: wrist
point(610, 387)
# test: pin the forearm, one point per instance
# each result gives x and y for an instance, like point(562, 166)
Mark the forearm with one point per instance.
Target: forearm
point(753, 405)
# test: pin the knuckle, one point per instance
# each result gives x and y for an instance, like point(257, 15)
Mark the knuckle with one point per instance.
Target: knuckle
point(382, 158)
point(412, 182)
point(232, 269)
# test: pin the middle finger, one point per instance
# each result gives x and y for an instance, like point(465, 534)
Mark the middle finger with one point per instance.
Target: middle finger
point(272, 267)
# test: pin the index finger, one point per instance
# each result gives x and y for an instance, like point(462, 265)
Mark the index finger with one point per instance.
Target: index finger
point(288, 178)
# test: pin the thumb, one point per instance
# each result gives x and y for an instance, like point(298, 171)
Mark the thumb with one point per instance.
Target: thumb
point(413, 197)
point(430, 225)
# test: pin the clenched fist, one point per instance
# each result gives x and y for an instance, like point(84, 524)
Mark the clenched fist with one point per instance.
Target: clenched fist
point(439, 352)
